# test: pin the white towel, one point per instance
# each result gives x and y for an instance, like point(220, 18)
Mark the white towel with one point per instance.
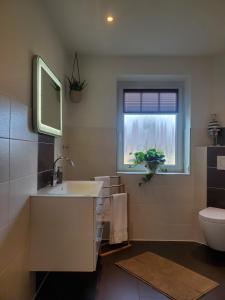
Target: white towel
point(105, 192)
point(118, 224)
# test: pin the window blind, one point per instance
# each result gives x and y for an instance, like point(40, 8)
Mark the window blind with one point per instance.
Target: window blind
point(150, 101)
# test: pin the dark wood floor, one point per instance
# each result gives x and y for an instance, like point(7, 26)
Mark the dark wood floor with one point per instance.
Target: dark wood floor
point(111, 283)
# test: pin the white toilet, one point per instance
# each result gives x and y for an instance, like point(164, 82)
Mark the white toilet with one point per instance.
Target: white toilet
point(212, 221)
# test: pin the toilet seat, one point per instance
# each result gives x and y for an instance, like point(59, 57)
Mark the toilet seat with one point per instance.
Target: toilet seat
point(213, 214)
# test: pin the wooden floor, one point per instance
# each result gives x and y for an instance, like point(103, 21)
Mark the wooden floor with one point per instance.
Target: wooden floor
point(111, 283)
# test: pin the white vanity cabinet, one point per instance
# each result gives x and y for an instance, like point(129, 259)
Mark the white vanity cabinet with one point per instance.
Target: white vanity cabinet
point(65, 232)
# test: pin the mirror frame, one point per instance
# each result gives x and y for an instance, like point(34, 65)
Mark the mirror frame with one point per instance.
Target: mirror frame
point(38, 66)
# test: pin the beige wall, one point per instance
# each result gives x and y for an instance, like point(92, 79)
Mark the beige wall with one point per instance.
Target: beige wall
point(24, 31)
point(218, 100)
point(164, 209)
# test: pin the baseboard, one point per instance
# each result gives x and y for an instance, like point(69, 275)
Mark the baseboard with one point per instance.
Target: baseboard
point(162, 240)
point(167, 240)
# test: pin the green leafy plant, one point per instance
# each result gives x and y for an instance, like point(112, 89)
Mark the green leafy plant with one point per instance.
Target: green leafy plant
point(76, 84)
point(152, 159)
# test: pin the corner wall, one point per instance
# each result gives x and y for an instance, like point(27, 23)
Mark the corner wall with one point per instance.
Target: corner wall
point(165, 209)
point(24, 31)
point(218, 99)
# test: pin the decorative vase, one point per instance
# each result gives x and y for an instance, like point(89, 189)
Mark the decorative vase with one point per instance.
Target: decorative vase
point(75, 96)
point(214, 128)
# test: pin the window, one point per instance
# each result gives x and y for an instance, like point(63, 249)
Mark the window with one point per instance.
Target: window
point(150, 118)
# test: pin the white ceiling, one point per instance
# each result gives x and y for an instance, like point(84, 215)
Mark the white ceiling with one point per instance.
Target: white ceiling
point(141, 27)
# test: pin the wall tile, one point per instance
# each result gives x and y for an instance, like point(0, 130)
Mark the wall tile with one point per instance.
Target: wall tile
point(216, 197)
point(4, 159)
point(93, 151)
point(20, 191)
point(23, 158)
point(5, 256)
point(61, 149)
point(44, 138)
point(4, 204)
point(221, 137)
point(45, 156)
point(212, 153)
point(149, 222)
point(14, 237)
point(21, 122)
point(215, 178)
point(46, 151)
point(4, 116)
point(4, 287)
point(44, 178)
point(18, 275)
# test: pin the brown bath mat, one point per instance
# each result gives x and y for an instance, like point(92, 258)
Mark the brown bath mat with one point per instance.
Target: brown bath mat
point(173, 280)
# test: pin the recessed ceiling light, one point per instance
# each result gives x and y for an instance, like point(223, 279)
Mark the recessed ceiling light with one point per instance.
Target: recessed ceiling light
point(109, 19)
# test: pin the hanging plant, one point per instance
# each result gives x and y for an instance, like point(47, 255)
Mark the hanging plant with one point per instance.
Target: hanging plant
point(75, 84)
point(152, 159)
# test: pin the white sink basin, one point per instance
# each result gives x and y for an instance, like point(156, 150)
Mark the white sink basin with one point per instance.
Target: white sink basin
point(64, 227)
point(73, 189)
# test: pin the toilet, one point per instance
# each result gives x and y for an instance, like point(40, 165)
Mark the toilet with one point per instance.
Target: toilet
point(212, 222)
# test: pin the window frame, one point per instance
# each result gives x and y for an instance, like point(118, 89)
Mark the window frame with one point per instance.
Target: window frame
point(122, 86)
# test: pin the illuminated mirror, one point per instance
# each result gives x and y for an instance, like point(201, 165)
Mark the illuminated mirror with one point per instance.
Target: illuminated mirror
point(47, 99)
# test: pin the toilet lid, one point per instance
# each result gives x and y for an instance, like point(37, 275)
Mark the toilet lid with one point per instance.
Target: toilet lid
point(213, 214)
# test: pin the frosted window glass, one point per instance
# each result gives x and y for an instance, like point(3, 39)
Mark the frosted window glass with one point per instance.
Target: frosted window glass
point(150, 131)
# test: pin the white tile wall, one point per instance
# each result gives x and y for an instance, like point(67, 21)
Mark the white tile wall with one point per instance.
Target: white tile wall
point(4, 116)
point(18, 179)
point(20, 124)
point(4, 160)
point(20, 190)
point(23, 158)
point(16, 282)
point(25, 31)
point(14, 238)
point(4, 204)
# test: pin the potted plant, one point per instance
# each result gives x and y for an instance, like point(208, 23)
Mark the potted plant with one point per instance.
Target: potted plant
point(152, 159)
point(75, 84)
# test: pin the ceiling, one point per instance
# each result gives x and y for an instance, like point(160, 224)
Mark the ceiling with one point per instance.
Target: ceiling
point(141, 27)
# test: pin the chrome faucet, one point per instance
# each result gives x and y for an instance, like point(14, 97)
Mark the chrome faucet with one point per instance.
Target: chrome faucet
point(57, 176)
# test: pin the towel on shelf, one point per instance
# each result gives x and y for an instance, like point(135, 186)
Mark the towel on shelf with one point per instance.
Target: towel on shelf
point(105, 192)
point(118, 224)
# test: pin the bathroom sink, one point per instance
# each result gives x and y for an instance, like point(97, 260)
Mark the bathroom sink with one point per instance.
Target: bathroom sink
point(65, 228)
point(73, 189)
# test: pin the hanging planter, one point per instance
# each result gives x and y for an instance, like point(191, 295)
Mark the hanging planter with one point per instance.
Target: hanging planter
point(152, 159)
point(75, 84)
point(75, 96)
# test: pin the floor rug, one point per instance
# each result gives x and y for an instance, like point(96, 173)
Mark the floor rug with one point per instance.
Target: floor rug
point(170, 278)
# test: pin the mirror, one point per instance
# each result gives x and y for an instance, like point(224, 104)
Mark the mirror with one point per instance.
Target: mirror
point(47, 99)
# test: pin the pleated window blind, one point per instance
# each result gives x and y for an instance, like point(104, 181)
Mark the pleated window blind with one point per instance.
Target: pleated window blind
point(154, 101)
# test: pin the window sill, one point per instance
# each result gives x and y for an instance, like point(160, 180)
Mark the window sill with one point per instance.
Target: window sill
point(159, 173)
